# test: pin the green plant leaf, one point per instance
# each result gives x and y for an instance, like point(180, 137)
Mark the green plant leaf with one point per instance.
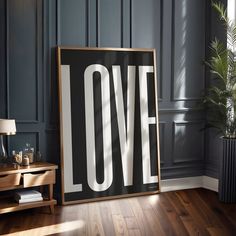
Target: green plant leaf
point(220, 98)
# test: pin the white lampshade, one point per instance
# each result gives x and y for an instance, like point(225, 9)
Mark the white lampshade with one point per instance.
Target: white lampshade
point(7, 127)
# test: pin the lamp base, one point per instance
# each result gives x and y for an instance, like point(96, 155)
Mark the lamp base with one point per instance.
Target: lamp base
point(3, 153)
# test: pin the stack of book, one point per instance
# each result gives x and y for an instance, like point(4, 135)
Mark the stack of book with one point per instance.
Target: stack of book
point(25, 196)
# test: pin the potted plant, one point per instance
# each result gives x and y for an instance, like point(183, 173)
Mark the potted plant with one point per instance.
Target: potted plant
point(220, 102)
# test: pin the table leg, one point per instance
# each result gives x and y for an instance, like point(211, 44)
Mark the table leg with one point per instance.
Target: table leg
point(50, 192)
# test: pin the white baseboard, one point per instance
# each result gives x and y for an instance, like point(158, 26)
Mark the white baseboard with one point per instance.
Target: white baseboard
point(210, 183)
point(189, 182)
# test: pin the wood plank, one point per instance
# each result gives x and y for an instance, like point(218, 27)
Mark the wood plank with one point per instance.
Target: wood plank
point(11, 188)
point(125, 208)
point(153, 223)
point(161, 215)
point(7, 206)
point(134, 232)
point(192, 210)
point(119, 225)
point(95, 223)
point(173, 217)
point(107, 220)
point(224, 212)
point(191, 223)
point(131, 222)
point(77, 214)
point(140, 217)
point(6, 169)
point(115, 207)
point(217, 231)
point(209, 217)
point(149, 213)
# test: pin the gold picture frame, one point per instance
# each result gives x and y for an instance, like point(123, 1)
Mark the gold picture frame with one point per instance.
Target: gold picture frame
point(125, 79)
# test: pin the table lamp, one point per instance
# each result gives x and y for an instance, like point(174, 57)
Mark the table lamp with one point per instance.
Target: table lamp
point(7, 127)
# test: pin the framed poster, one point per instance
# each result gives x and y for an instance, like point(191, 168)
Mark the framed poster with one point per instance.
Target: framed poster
point(108, 123)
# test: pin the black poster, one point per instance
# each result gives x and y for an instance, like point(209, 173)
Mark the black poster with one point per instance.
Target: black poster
point(109, 123)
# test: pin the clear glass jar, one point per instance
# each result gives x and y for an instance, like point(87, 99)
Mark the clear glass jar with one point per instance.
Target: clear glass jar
point(29, 151)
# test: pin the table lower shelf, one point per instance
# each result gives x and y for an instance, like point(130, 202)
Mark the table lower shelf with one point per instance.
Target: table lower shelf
point(6, 205)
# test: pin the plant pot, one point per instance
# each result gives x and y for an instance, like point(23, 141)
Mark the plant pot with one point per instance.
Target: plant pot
point(227, 176)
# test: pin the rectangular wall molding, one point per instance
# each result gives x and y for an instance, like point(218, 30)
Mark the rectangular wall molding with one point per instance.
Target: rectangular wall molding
point(188, 25)
point(185, 133)
point(189, 183)
point(151, 34)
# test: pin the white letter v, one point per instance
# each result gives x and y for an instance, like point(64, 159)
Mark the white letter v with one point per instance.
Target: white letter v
point(126, 135)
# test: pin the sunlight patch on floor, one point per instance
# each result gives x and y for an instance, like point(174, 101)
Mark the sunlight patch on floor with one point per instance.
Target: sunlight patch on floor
point(153, 199)
point(52, 229)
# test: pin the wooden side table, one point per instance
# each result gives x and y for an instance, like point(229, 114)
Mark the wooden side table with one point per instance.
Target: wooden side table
point(22, 177)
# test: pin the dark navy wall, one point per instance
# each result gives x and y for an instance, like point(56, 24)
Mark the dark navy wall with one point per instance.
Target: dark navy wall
point(213, 143)
point(178, 29)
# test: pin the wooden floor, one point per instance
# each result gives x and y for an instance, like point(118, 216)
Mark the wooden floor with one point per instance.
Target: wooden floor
point(188, 212)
